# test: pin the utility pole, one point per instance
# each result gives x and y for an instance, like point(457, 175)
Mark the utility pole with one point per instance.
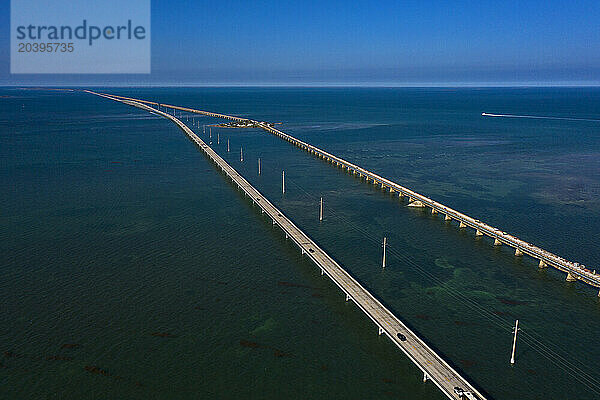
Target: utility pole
point(283, 182)
point(384, 245)
point(321, 210)
point(512, 357)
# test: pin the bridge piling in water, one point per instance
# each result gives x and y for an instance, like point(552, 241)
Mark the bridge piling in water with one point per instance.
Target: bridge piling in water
point(384, 245)
point(321, 209)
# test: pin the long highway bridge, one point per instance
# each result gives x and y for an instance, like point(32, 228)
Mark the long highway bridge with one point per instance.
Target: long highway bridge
point(574, 270)
point(433, 366)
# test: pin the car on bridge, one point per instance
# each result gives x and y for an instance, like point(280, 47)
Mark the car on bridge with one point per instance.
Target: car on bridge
point(464, 394)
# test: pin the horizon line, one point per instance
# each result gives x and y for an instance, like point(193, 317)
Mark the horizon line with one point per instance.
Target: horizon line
point(315, 85)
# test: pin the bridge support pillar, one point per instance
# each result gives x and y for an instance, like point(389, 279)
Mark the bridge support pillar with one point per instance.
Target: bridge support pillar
point(518, 253)
point(380, 331)
point(433, 211)
point(347, 297)
point(322, 271)
point(497, 242)
point(391, 190)
point(542, 264)
point(570, 278)
point(478, 232)
point(425, 376)
point(447, 218)
point(462, 225)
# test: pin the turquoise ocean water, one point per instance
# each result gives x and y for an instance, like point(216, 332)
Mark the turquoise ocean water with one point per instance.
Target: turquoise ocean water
point(131, 269)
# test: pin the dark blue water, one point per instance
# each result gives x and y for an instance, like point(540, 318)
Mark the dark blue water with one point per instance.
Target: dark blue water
point(131, 268)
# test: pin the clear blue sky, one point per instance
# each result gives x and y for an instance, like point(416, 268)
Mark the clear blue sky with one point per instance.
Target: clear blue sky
point(359, 42)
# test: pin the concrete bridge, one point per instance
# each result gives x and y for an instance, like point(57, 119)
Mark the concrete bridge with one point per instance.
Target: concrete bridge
point(574, 271)
point(433, 366)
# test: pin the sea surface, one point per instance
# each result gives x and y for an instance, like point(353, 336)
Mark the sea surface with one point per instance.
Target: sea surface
point(130, 268)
